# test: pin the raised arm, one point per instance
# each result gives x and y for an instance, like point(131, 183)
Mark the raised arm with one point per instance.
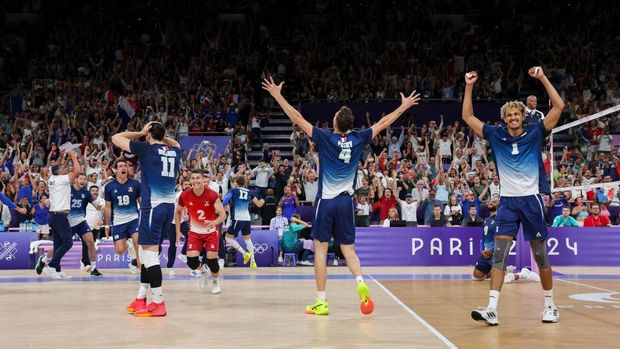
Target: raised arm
point(276, 92)
point(405, 103)
point(76, 165)
point(468, 108)
point(557, 103)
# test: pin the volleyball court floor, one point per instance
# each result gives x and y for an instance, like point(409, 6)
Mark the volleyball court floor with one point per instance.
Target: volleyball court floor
point(415, 307)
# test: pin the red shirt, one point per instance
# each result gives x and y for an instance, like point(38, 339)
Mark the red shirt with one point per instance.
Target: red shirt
point(200, 209)
point(601, 221)
point(384, 205)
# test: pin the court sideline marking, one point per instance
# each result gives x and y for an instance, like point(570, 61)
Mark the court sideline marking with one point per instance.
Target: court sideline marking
point(586, 285)
point(428, 326)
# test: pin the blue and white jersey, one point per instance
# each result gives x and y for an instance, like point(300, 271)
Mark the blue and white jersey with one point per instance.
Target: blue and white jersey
point(489, 228)
point(239, 199)
point(79, 200)
point(124, 200)
point(339, 156)
point(518, 159)
point(159, 168)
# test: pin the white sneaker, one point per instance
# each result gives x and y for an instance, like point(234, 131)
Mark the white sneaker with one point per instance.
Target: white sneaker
point(509, 278)
point(52, 272)
point(280, 260)
point(183, 258)
point(64, 275)
point(171, 272)
point(85, 268)
point(203, 281)
point(307, 263)
point(335, 262)
point(529, 275)
point(550, 314)
point(130, 249)
point(195, 273)
point(486, 315)
point(510, 269)
point(215, 288)
point(133, 269)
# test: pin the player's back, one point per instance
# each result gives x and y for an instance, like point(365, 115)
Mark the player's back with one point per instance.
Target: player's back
point(240, 204)
point(159, 167)
point(518, 159)
point(339, 156)
point(124, 200)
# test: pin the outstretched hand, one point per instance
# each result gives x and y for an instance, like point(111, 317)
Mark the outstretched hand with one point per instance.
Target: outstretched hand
point(536, 72)
point(471, 78)
point(409, 101)
point(270, 86)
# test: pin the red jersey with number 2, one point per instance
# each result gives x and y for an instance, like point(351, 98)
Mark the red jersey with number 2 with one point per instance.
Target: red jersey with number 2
point(200, 209)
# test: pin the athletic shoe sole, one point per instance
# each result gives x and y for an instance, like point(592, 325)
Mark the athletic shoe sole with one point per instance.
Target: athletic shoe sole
point(478, 317)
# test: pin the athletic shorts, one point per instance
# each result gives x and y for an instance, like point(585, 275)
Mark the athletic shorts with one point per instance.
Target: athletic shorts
point(334, 218)
point(484, 265)
point(526, 210)
point(207, 242)
point(80, 229)
point(239, 226)
point(124, 231)
point(154, 222)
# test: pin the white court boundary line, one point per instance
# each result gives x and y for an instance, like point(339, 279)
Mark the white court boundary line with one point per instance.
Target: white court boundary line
point(433, 330)
point(586, 285)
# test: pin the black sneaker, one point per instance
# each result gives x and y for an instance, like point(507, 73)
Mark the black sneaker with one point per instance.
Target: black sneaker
point(95, 272)
point(40, 265)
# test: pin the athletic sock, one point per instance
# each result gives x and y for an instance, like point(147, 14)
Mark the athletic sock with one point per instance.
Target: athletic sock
point(250, 246)
point(359, 279)
point(157, 295)
point(234, 244)
point(44, 259)
point(142, 290)
point(548, 298)
point(321, 295)
point(93, 265)
point(493, 299)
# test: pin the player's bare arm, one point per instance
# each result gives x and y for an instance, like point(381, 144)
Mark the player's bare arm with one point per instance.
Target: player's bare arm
point(468, 108)
point(276, 92)
point(557, 104)
point(406, 102)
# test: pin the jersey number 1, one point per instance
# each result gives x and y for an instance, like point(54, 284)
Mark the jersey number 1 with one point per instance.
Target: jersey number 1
point(167, 166)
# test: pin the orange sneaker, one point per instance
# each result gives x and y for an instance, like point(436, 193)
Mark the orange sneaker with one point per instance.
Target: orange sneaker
point(136, 305)
point(153, 309)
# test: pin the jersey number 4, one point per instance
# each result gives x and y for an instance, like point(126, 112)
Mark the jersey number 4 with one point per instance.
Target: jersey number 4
point(345, 155)
point(167, 166)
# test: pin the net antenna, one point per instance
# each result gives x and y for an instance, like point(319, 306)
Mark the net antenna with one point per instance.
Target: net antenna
point(614, 124)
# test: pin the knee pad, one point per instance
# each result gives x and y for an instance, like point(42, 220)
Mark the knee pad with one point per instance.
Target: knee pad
point(193, 263)
point(150, 258)
point(540, 254)
point(500, 253)
point(213, 265)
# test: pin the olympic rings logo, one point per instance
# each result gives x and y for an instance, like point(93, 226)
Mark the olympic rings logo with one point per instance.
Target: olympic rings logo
point(260, 248)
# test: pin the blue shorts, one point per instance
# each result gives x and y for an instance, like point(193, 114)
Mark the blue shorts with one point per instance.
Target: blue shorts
point(154, 222)
point(124, 231)
point(527, 210)
point(334, 218)
point(239, 226)
point(80, 229)
point(484, 265)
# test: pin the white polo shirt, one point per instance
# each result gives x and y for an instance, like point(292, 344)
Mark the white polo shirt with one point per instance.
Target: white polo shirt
point(60, 193)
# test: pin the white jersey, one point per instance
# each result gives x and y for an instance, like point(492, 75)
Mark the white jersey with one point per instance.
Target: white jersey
point(60, 193)
point(409, 211)
point(94, 216)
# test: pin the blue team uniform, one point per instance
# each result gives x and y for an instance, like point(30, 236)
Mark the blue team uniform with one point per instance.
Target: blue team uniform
point(334, 216)
point(489, 229)
point(124, 202)
point(519, 164)
point(77, 214)
point(159, 168)
point(239, 199)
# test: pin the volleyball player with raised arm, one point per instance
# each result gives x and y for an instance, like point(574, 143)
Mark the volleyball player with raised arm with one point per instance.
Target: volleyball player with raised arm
point(339, 154)
point(159, 158)
point(518, 161)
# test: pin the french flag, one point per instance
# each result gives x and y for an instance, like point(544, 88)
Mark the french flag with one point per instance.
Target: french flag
point(126, 108)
